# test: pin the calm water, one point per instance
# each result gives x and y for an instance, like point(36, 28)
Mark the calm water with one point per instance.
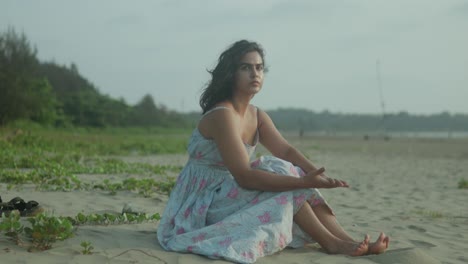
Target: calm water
point(379, 134)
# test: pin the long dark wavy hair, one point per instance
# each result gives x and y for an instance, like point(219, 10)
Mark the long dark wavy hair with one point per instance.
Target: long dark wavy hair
point(222, 76)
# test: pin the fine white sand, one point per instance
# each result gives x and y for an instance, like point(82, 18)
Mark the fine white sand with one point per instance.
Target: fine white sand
point(404, 187)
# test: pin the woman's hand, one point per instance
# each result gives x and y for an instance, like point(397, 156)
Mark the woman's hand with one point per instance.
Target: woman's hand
point(316, 179)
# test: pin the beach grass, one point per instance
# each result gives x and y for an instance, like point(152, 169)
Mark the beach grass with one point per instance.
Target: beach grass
point(463, 184)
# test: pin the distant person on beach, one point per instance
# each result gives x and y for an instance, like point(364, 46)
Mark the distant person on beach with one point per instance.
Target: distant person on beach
point(228, 204)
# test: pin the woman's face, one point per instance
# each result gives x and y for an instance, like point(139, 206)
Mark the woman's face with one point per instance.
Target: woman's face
point(249, 74)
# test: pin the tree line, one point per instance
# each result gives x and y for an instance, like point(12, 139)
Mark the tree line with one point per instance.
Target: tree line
point(306, 120)
point(52, 94)
point(58, 95)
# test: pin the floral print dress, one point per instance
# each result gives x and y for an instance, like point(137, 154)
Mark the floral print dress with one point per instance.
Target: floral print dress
point(209, 214)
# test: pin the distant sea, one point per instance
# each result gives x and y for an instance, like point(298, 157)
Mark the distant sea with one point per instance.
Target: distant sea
point(427, 134)
point(391, 134)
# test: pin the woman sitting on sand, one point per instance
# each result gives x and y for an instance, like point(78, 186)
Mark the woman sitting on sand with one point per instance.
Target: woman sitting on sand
point(228, 205)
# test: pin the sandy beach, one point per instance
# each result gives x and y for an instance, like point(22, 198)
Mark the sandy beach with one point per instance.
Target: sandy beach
point(405, 187)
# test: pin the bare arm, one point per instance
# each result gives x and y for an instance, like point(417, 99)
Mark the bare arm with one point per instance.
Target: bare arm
point(272, 139)
point(223, 129)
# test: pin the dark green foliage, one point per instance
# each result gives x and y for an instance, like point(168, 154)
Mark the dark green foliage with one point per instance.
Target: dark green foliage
point(23, 93)
point(47, 93)
point(81, 101)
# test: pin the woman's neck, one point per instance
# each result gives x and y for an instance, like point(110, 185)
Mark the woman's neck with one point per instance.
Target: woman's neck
point(240, 106)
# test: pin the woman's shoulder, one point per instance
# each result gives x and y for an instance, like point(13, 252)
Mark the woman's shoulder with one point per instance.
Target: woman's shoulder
point(218, 110)
point(213, 118)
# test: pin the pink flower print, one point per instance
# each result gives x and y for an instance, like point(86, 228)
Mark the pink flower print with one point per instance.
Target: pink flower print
point(298, 200)
point(180, 230)
point(255, 163)
point(293, 170)
point(199, 155)
point(261, 248)
point(248, 255)
point(173, 220)
point(233, 193)
point(255, 201)
point(282, 241)
point(194, 180)
point(220, 163)
point(190, 248)
point(226, 242)
point(264, 218)
point(301, 173)
point(199, 238)
point(187, 212)
point(202, 209)
point(316, 201)
point(202, 184)
point(282, 200)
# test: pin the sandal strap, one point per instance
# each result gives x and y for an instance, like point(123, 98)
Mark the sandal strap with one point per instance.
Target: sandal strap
point(6, 207)
point(18, 203)
point(31, 204)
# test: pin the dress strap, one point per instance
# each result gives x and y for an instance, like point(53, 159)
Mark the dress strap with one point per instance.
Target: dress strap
point(214, 109)
point(258, 121)
point(257, 133)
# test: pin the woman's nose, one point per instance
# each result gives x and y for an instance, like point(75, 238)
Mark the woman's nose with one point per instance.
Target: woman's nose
point(254, 72)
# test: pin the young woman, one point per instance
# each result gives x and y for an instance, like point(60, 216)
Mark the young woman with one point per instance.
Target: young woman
point(227, 204)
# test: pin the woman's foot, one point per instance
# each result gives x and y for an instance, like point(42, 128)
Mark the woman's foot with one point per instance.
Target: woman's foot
point(380, 245)
point(352, 248)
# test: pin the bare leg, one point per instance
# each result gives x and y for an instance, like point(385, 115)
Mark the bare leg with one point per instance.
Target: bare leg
point(309, 223)
point(329, 221)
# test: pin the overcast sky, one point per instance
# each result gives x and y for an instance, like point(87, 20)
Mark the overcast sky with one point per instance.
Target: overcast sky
point(322, 55)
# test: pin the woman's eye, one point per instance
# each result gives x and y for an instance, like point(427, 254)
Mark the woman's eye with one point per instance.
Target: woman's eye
point(244, 67)
point(259, 67)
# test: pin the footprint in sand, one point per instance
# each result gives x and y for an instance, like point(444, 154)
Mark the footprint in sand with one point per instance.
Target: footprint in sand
point(404, 255)
point(417, 228)
point(361, 224)
point(422, 244)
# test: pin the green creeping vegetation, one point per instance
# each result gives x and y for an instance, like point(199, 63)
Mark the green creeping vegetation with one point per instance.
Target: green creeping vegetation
point(430, 214)
point(112, 219)
point(89, 142)
point(59, 174)
point(53, 160)
point(463, 184)
point(44, 230)
point(87, 248)
point(12, 227)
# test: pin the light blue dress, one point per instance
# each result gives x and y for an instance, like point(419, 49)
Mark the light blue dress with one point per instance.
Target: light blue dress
point(209, 214)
